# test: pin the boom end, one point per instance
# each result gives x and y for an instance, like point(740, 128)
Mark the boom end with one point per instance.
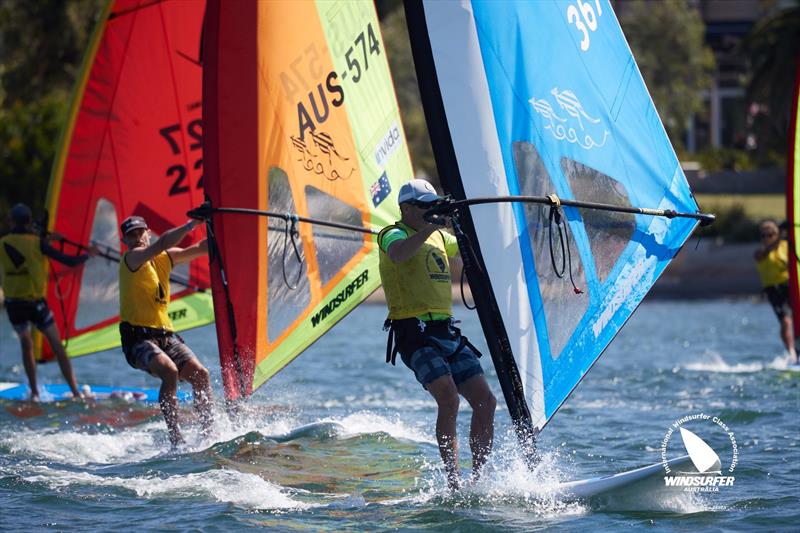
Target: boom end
point(706, 219)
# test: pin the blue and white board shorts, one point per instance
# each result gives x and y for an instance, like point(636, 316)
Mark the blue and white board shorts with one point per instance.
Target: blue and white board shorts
point(436, 350)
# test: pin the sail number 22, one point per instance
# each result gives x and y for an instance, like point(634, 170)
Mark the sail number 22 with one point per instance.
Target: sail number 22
point(583, 16)
point(177, 173)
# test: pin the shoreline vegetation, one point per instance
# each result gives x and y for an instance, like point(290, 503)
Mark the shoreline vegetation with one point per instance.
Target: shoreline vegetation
point(703, 269)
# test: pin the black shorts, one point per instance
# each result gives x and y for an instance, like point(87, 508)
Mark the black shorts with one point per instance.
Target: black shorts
point(23, 313)
point(778, 296)
point(435, 349)
point(141, 345)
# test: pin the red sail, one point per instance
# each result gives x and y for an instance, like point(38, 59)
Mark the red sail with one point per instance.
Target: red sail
point(132, 145)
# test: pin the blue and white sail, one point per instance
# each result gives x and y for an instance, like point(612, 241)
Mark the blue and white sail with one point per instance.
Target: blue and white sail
point(539, 98)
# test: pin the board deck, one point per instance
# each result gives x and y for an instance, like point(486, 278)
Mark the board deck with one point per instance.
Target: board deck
point(586, 488)
point(60, 392)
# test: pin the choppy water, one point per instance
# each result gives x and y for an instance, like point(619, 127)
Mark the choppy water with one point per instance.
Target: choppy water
point(369, 459)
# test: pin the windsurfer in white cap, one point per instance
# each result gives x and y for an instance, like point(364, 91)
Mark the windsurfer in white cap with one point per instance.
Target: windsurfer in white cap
point(415, 273)
point(22, 260)
point(147, 334)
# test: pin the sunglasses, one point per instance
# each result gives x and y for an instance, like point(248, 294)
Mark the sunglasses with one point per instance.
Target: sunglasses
point(419, 203)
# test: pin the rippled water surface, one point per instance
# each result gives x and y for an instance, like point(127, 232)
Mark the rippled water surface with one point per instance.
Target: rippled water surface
point(342, 441)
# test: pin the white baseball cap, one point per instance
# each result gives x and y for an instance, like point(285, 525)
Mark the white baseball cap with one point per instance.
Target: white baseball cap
point(417, 190)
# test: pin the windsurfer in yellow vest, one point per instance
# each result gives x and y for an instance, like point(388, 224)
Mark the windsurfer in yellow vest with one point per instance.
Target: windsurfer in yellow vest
point(772, 265)
point(22, 258)
point(415, 273)
point(148, 339)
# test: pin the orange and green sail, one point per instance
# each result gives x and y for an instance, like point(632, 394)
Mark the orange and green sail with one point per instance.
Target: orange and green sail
point(301, 125)
point(132, 145)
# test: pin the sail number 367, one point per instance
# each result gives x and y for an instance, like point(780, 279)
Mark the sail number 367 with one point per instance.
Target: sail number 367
point(583, 16)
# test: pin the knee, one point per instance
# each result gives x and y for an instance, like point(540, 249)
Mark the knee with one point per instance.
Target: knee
point(169, 376)
point(26, 341)
point(490, 404)
point(201, 376)
point(449, 402)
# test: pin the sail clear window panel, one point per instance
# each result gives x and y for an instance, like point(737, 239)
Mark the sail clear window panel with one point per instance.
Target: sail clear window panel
point(609, 232)
point(562, 308)
point(99, 293)
point(284, 304)
point(334, 247)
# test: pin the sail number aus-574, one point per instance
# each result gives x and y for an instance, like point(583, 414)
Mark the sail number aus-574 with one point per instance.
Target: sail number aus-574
point(177, 173)
point(352, 55)
point(583, 16)
point(314, 111)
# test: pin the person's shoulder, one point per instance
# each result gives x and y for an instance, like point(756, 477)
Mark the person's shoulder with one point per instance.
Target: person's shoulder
point(392, 229)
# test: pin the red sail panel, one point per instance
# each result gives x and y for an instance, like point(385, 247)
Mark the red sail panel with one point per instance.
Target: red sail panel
point(230, 53)
point(793, 203)
point(133, 145)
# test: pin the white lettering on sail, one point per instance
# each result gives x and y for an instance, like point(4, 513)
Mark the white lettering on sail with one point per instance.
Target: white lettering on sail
point(576, 130)
point(584, 20)
point(622, 296)
point(391, 141)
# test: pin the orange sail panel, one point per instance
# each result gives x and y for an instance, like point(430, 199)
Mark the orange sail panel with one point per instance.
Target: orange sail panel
point(132, 145)
point(301, 118)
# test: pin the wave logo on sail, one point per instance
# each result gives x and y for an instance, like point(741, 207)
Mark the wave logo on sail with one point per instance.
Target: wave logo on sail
point(576, 125)
point(708, 474)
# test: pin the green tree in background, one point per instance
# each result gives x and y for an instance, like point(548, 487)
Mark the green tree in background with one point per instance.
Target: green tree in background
point(667, 40)
point(398, 50)
point(41, 47)
point(773, 50)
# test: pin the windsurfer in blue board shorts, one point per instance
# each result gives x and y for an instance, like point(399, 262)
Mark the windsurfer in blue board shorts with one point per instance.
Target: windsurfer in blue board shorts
point(772, 259)
point(147, 334)
point(415, 273)
point(22, 259)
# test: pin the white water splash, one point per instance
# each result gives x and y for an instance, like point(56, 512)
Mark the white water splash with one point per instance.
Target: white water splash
point(76, 448)
point(229, 486)
point(713, 362)
point(366, 422)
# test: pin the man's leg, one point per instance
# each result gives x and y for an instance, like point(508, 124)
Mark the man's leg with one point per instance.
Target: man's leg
point(444, 391)
point(481, 433)
point(54, 339)
point(163, 367)
point(787, 335)
point(29, 361)
point(198, 376)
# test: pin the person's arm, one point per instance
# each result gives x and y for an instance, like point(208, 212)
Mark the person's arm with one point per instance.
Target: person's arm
point(450, 244)
point(404, 249)
point(186, 255)
point(66, 259)
point(169, 239)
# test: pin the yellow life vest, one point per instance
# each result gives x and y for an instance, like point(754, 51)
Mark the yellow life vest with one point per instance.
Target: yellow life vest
point(422, 283)
point(23, 264)
point(144, 293)
point(774, 268)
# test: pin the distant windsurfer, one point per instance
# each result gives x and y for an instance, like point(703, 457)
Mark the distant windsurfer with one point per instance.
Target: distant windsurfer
point(415, 273)
point(147, 334)
point(772, 264)
point(22, 257)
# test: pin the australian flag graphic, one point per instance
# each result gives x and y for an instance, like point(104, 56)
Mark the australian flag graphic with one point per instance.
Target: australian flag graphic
point(380, 189)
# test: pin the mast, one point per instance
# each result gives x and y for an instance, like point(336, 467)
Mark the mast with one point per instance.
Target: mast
point(475, 268)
